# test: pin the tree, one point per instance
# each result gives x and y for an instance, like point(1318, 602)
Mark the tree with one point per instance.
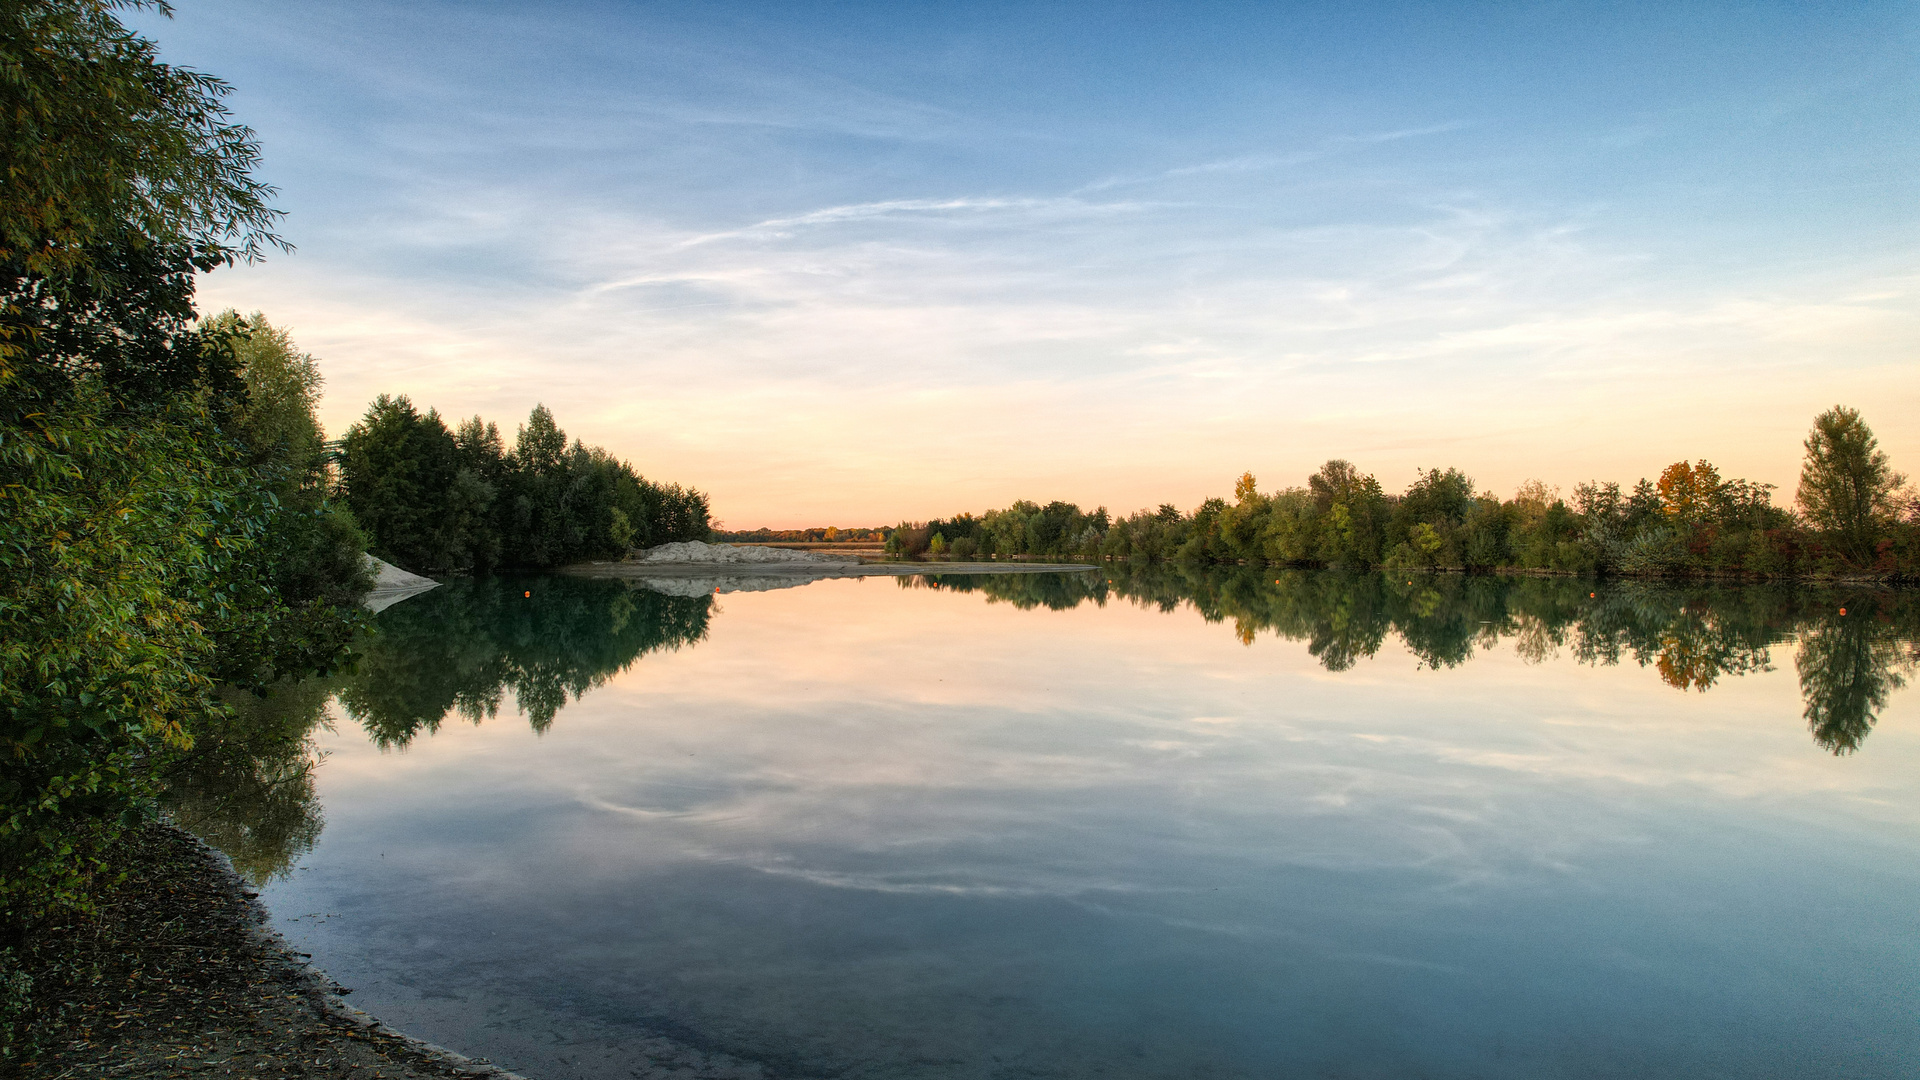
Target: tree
point(276, 422)
point(397, 471)
point(1245, 488)
point(313, 549)
point(105, 145)
point(1847, 486)
point(1688, 492)
point(438, 500)
point(130, 513)
point(112, 545)
point(540, 444)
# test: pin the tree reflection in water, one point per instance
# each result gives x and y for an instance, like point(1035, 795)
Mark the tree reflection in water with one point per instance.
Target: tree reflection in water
point(248, 786)
point(1855, 646)
point(459, 648)
point(1849, 664)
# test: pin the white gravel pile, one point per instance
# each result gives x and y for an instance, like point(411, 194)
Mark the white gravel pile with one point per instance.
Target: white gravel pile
point(693, 551)
point(388, 576)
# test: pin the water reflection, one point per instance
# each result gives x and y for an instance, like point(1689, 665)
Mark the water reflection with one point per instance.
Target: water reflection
point(1856, 645)
point(1849, 665)
point(460, 648)
point(247, 785)
point(550, 639)
point(861, 830)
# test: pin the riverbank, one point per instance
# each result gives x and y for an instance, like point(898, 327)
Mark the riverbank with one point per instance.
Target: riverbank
point(178, 975)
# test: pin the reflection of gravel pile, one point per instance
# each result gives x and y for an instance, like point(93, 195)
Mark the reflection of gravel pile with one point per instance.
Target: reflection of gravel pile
point(693, 551)
point(392, 585)
point(707, 586)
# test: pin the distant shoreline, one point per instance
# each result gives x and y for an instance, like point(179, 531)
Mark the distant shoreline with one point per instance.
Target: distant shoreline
point(632, 571)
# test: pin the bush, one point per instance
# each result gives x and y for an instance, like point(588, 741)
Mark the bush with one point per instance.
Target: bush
point(115, 539)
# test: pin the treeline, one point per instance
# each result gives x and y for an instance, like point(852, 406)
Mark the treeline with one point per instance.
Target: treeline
point(824, 534)
point(1854, 647)
point(1853, 516)
point(167, 535)
point(433, 498)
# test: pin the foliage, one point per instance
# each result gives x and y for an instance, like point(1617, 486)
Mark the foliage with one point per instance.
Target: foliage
point(459, 648)
point(1847, 487)
point(105, 144)
point(115, 544)
point(432, 499)
point(817, 535)
point(1691, 522)
point(147, 554)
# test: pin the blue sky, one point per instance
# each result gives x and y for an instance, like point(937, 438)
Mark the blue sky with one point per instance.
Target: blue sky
point(852, 263)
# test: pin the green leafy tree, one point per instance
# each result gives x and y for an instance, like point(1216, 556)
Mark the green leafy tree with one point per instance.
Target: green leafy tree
point(131, 510)
point(313, 550)
point(106, 145)
point(397, 468)
point(1847, 486)
point(113, 545)
point(1355, 510)
point(435, 500)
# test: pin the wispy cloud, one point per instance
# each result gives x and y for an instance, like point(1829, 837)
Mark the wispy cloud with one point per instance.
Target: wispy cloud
point(829, 279)
point(782, 227)
point(1260, 162)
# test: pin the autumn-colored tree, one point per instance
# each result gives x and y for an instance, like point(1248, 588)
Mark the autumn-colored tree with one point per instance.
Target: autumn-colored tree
point(1687, 491)
point(1246, 488)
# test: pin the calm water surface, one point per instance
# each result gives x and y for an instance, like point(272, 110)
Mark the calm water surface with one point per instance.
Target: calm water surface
point(1131, 824)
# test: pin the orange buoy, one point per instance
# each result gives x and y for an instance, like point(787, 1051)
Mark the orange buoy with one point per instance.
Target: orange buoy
point(528, 594)
point(1843, 611)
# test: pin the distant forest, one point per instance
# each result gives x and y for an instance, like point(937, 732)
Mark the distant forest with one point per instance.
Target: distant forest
point(1854, 515)
point(828, 534)
point(431, 498)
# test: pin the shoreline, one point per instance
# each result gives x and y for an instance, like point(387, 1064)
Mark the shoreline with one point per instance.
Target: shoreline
point(186, 923)
point(800, 572)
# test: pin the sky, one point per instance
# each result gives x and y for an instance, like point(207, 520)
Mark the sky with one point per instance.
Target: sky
point(857, 263)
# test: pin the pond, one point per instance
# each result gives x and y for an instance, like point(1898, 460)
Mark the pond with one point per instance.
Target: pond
point(1137, 822)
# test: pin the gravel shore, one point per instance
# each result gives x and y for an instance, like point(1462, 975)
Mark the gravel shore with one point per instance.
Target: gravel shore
point(177, 975)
